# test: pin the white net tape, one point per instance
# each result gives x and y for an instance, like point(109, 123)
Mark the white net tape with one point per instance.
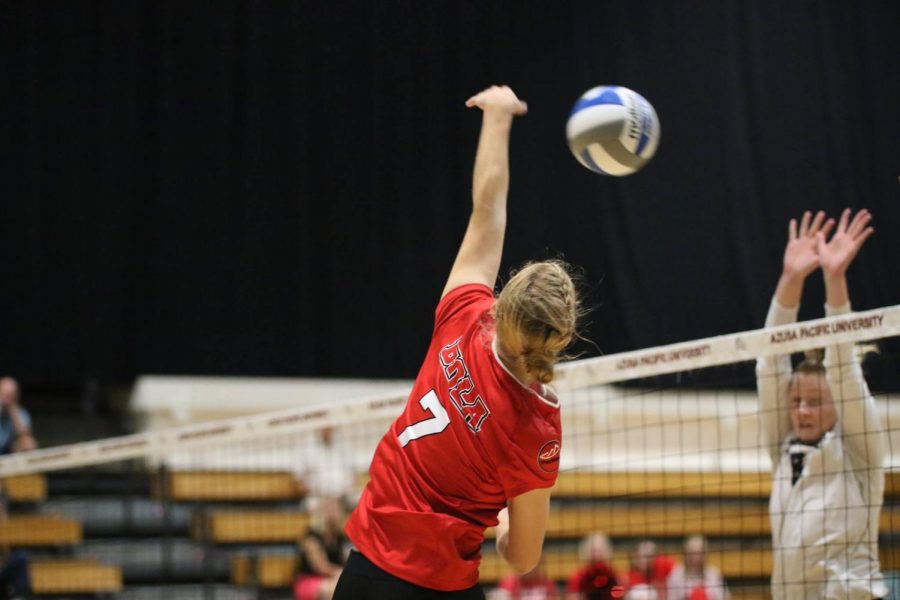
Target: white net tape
point(157, 446)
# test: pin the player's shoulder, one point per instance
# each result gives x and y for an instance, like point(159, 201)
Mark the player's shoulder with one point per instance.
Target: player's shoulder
point(464, 302)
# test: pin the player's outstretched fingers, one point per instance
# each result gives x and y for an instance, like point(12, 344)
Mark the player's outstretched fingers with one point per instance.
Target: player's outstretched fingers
point(845, 218)
point(829, 225)
point(804, 224)
point(817, 223)
point(859, 222)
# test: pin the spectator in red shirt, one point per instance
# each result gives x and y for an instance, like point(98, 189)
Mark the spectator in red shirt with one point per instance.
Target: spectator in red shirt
point(596, 580)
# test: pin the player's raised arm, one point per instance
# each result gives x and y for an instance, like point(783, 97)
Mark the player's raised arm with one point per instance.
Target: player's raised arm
point(478, 260)
point(836, 254)
point(773, 373)
point(860, 421)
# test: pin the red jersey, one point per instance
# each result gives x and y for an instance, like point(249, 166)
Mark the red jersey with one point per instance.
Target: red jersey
point(471, 436)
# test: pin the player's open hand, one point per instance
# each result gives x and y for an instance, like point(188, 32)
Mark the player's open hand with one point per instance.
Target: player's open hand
point(498, 98)
point(800, 255)
point(836, 254)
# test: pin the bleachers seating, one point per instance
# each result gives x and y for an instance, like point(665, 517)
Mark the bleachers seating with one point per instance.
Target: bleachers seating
point(25, 488)
point(39, 531)
point(635, 520)
point(689, 484)
point(664, 512)
point(191, 486)
point(277, 570)
point(270, 571)
point(50, 577)
point(250, 526)
point(657, 505)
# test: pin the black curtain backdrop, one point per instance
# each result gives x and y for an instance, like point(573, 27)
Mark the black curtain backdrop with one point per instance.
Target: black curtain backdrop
point(279, 188)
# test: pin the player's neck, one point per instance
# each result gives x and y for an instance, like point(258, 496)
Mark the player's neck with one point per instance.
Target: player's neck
point(513, 366)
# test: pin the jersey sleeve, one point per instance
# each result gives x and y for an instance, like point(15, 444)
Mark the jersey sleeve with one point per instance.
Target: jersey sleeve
point(462, 304)
point(532, 460)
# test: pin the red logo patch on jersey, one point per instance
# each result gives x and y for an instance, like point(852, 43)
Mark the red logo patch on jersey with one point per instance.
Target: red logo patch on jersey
point(548, 456)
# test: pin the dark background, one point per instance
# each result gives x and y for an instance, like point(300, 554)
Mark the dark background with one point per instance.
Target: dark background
point(279, 188)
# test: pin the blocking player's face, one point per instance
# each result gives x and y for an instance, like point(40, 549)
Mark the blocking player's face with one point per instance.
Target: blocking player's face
point(811, 406)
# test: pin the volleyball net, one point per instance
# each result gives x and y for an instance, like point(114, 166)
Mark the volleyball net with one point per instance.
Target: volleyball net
point(659, 445)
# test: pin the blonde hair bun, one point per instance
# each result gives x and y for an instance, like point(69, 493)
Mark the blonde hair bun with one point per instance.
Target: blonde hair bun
point(536, 316)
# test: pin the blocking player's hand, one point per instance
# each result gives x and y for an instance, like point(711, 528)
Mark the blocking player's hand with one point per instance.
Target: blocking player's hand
point(500, 99)
point(836, 254)
point(800, 255)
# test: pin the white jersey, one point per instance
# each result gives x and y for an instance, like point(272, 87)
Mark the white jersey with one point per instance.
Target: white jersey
point(824, 527)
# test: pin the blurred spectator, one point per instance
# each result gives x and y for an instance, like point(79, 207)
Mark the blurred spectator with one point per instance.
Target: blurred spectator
point(15, 422)
point(694, 579)
point(323, 551)
point(533, 585)
point(325, 468)
point(596, 580)
point(650, 568)
point(15, 436)
point(642, 591)
point(14, 580)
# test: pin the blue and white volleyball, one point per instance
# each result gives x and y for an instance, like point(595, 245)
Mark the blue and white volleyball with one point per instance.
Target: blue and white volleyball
point(613, 130)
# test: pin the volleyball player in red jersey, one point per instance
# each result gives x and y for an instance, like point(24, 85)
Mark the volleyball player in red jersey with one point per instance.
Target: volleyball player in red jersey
point(478, 443)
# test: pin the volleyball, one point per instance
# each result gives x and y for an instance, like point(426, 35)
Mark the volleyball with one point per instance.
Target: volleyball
point(613, 130)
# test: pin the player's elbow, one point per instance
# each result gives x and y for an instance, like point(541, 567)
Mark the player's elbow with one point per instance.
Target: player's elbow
point(522, 560)
point(522, 566)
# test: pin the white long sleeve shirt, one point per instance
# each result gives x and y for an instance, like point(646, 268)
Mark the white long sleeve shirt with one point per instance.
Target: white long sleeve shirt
point(824, 527)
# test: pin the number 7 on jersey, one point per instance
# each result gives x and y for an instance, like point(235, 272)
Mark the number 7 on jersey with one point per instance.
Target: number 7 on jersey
point(436, 424)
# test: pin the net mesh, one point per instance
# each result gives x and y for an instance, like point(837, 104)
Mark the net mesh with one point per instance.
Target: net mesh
point(659, 445)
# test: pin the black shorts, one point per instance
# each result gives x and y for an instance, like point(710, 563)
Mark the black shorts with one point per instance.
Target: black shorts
point(362, 580)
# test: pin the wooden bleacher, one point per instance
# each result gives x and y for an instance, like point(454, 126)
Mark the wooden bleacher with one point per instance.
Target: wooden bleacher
point(25, 488)
point(636, 520)
point(658, 505)
point(668, 484)
point(689, 484)
point(39, 531)
point(190, 486)
point(270, 571)
point(50, 577)
point(278, 570)
point(235, 486)
point(54, 577)
point(250, 526)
